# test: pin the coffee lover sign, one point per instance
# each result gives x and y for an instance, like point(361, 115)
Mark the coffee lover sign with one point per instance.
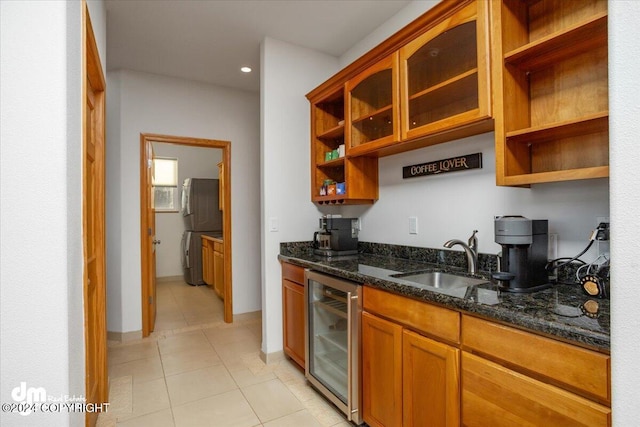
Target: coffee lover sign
point(453, 164)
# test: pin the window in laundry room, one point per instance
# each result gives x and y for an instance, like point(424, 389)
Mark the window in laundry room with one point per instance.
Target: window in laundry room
point(165, 184)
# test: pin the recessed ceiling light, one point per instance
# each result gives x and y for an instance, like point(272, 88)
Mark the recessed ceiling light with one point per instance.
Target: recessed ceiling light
point(245, 69)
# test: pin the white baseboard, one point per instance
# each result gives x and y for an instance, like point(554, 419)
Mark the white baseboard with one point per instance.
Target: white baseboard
point(124, 336)
point(274, 357)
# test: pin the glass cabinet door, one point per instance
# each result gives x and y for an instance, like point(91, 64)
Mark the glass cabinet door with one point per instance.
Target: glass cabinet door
point(444, 75)
point(373, 108)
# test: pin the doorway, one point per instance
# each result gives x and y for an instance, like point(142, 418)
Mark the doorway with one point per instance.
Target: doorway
point(148, 227)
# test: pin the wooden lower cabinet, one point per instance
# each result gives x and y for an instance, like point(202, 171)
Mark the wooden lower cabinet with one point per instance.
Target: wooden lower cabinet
point(381, 371)
point(293, 309)
point(213, 264)
point(207, 262)
point(493, 395)
point(293, 320)
point(218, 269)
point(408, 379)
point(431, 382)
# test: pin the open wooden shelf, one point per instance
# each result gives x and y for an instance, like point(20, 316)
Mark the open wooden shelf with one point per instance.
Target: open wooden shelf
point(552, 121)
point(339, 162)
point(572, 41)
point(595, 123)
point(556, 176)
point(336, 132)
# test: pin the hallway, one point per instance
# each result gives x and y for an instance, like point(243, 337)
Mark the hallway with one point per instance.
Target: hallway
point(196, 370)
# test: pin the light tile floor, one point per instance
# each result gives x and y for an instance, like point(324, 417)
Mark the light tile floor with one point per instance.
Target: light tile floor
point(195, 370)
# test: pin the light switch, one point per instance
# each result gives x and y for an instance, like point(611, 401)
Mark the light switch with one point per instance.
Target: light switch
point(273, 224)
point(413, 225)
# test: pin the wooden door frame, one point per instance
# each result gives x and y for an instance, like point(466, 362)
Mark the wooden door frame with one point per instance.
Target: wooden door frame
point(92, 74)
point(145, 140)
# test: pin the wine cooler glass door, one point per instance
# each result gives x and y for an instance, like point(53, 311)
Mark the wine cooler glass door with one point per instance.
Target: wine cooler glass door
point(329, 338)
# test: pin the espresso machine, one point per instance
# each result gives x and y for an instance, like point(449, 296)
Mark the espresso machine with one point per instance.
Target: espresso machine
point(522, 262)
point(337, 237)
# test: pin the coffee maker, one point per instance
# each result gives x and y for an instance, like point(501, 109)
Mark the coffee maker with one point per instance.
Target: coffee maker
point(522, 262)
point(337, 237)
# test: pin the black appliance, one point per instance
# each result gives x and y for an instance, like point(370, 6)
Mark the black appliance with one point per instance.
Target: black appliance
point(337, 237)
point(523, 258)
point(202, 216)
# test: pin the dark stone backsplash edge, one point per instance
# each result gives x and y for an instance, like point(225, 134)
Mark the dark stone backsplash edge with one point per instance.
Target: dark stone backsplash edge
point(487, 263)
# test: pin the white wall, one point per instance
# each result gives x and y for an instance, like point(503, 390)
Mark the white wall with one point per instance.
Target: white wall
point(98, 14)
point(149, 103)
point(193, 162)
point(41, 313)
point(288, 73)
point(452, 205)
point(624, 107)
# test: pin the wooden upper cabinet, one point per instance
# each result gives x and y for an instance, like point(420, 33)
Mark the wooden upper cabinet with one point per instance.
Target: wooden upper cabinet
point(372, 113)
point(444, 75)
point(359, 175)
point(551, 90)
point(427, 84)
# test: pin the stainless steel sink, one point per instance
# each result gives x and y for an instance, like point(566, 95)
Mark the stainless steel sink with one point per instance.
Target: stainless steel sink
point(440, 280)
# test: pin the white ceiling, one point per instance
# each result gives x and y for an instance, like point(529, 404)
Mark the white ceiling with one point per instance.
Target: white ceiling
point(209, 40)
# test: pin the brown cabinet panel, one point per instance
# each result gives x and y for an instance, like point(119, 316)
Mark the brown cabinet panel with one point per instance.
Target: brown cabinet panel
point(293, 273)
point(431, 382)
point(207, 262)
point(579, 370)
point(430, 320)
point(218, 271)
point(493, 395)
point(293, 308)
point(381, 371)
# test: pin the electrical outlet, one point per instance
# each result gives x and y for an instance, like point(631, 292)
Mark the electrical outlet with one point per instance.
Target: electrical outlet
point(602, 225)
point(413, 225)
point(553, 246)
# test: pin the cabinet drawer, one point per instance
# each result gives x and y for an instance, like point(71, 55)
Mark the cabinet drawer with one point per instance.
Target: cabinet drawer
point(293, 273)
point(582, 371)
point(426, 318)
point(493, 395)
point(217, 246)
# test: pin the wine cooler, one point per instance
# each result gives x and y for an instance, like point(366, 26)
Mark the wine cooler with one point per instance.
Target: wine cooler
point(333, 341)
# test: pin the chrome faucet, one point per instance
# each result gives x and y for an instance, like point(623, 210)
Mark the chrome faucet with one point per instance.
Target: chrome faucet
point(470, 249)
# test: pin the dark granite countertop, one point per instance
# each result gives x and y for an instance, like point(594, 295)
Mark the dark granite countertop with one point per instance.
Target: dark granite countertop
point(556, 312)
